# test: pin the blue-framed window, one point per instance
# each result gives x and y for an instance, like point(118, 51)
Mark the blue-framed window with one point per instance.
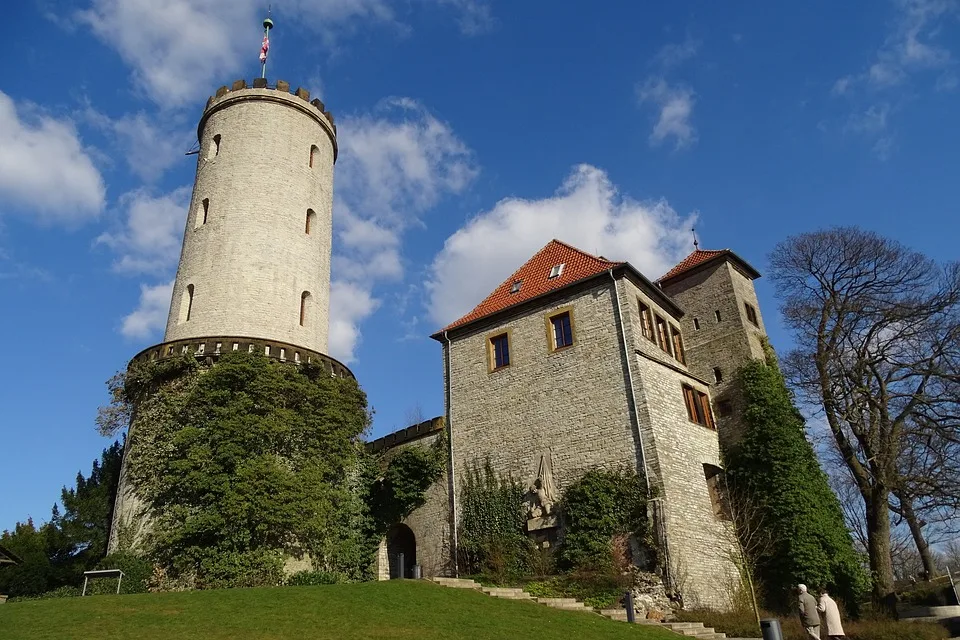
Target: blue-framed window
point(500, 351)
point(562, 330)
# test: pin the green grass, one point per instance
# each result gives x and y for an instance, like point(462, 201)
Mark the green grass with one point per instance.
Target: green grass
point(394, 609)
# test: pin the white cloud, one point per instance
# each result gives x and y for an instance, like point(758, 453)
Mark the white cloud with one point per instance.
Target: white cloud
point(149, 148)
point(675, 109)
point(178, 49)
point(587, 211)
point(842, 85)
point(911, 46)
point(874, 125)
point(394, 166)
point(349, 304)
point(150, 239)
point(44, 168)
point(150, 316)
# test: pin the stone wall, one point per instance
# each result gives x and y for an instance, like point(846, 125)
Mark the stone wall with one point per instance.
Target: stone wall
point(246, 251)
point(726, 344)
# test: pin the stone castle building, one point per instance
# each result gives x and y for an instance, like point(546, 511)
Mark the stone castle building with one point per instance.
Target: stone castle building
point(576, 362)
point(254, 272)
point(572, 363)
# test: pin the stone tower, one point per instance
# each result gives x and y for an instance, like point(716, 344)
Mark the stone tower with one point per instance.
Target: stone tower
point(256, 247)
point(254, 272)
point(722, 326)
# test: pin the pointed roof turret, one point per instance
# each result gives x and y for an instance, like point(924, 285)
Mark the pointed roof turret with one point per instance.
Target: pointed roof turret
point(700, 258)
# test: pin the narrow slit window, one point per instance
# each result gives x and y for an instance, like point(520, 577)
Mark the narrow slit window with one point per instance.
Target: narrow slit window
point(562, 330)
point(678, 345)
point(717, 314)
point(215, 146)
point(696, 324)
point(186, 304)
point(717, 374)
point(715, 486)
point(314, 150)
point(311, 221)
point(499, 351)
point(646, 322)
point(304, 304)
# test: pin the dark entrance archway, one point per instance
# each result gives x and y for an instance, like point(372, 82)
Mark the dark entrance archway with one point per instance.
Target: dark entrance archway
point(401, 551)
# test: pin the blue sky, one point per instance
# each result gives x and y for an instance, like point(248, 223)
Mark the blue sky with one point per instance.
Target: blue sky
point(471, 133)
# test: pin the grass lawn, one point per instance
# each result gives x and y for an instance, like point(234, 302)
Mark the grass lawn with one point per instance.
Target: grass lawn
point(394, 609)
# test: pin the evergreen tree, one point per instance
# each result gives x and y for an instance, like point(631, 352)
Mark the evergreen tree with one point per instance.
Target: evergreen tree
point(775, 469)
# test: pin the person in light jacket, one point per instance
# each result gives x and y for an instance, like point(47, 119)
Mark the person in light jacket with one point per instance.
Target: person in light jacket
point(831, 615)
point(809, 617)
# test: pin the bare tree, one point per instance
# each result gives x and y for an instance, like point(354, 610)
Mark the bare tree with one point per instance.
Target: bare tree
point(876, 328)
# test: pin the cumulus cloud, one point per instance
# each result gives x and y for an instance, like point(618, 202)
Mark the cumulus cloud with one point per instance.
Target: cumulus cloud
point(149, 241)
point(395, 165)
point(150, 316)
point(44, 169)
point(675, 109)
point(178, 49)
point(587, 211)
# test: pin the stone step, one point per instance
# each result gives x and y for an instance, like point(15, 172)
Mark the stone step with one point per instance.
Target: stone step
point(456, 583)
point(679, 626)
point(557, 601)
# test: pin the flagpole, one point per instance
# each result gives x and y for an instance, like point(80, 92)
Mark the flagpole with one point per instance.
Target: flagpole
point(267, 25)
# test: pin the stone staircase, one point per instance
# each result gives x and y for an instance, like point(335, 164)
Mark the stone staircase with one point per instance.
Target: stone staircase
point(689, 629)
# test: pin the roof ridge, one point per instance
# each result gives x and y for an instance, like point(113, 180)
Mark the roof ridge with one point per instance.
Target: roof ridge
point(579, 250)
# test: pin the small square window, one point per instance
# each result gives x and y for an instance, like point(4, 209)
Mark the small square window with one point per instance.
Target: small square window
point(562, 330)
point(751, 314)
point(516, 286)
point(698, 407)
point(724, 408)
point(500, 351)
point(557, 270)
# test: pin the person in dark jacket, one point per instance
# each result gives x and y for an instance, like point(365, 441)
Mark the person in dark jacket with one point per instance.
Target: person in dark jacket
point(809, 616)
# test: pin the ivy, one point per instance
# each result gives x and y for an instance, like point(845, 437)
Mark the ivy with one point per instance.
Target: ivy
point(409, 472)
point(597, 509)
point(774, 472)
point(245, 462)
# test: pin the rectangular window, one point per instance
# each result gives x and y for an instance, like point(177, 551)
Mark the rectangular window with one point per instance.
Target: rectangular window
point(717, 313)
point(715, 486)
point(663, 337)
point(698, 407)
point(678, 345)
point(562, 330)
point(751, 314)
point(646, 322)
point(696, 324)
point(500, 351)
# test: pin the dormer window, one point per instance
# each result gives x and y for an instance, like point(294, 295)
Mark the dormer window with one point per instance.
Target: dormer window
point(516, 286)
point(557, 270)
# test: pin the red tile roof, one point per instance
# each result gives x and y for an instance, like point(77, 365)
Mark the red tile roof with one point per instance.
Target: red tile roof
point(535, 280)
point(695, 259)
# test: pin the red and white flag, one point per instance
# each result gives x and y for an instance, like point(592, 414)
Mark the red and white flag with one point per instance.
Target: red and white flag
point(264, 48)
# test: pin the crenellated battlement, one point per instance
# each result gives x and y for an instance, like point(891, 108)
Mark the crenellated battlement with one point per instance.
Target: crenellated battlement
point(210, 349)
point(281, 86)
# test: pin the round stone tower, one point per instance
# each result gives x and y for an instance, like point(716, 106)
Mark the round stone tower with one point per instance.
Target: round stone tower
point(256, 248)
point(254, 271)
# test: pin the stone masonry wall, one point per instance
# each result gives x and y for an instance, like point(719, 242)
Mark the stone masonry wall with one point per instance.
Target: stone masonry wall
point(570, 403)
point(727, 344)
point(699, 543)
point(252, 259)
point(429, 523)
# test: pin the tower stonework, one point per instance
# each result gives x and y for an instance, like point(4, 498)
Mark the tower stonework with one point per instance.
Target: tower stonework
point(254, 271)
point(722, 327)
point(256, 247)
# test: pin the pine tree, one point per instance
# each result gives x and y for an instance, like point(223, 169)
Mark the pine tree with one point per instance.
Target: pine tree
point(775, 468)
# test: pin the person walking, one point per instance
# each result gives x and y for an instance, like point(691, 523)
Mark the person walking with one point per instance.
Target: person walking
point(831, 614)
point(809, 617)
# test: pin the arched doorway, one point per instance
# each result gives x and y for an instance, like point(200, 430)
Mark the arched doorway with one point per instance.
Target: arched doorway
point(401, 551)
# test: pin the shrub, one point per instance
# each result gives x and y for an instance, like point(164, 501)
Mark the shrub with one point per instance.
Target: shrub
point(60, 592)
point(596, 589)
point(929, 594)
point(136, 572)
point(597, 509)
point(314, 578)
